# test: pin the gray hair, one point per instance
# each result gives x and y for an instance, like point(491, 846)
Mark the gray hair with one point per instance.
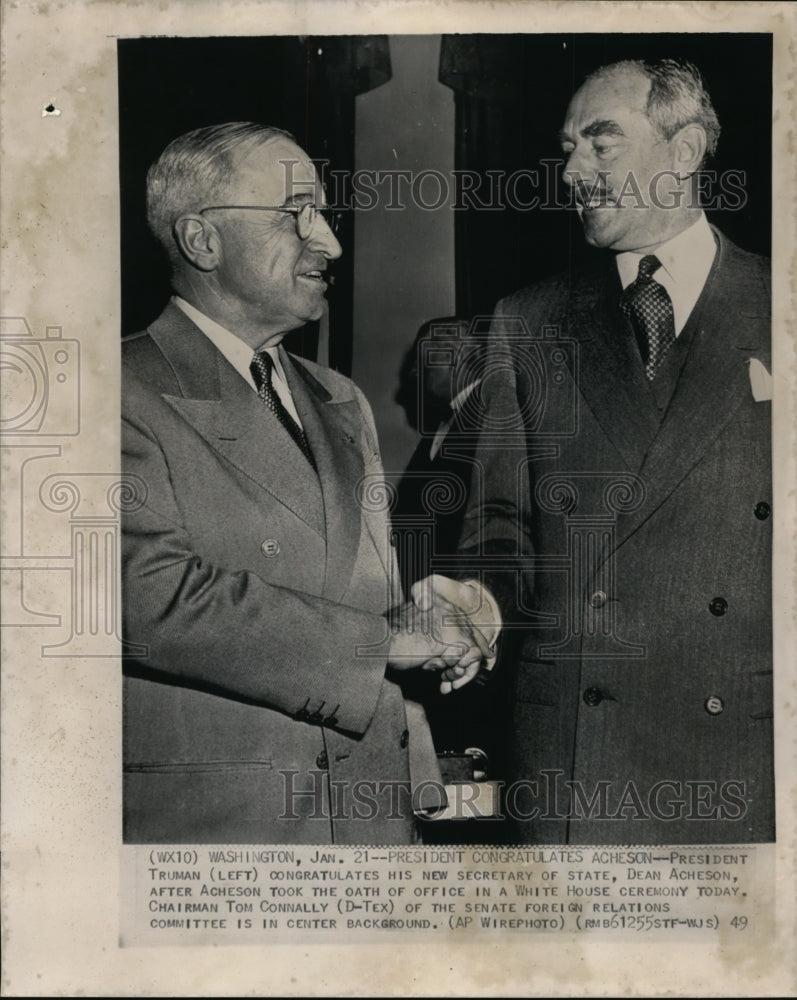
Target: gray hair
point(195, 170)
point(676, 98)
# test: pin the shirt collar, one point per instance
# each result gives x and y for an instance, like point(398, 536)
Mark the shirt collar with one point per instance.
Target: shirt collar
point(236, 351)
point(694, 247)
point(685, 259)
point(456, 405)
point(458, 401)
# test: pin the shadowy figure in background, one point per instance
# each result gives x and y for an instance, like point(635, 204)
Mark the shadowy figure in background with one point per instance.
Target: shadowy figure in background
point(439, 374)
point(436, 481)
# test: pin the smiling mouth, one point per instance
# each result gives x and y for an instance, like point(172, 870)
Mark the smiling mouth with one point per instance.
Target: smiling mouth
point(317, 276)
point(601, 201)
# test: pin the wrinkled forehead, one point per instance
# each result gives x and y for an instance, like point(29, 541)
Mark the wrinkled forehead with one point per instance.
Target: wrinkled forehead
point(276, 173)
point(620, 95)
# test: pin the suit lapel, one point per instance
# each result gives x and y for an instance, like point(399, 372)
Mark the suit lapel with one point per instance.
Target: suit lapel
point(732, 327)
point(333, 428)
point(609, 373)
point(225, 411)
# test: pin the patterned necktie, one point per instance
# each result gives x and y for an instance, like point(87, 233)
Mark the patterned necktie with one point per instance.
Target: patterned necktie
point(261, 368)
point(647, 305)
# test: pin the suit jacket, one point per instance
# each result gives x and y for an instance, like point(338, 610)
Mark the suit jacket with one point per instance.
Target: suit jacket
point(633, 524)
point(254, 710)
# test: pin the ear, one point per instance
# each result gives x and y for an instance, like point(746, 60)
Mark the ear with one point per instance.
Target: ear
point(198, 241)
point(689, 149)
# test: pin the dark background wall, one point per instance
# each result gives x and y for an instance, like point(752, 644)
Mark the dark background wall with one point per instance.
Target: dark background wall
point(472, 102)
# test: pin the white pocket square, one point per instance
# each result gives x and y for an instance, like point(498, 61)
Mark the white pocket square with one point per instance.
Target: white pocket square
point(760, 381)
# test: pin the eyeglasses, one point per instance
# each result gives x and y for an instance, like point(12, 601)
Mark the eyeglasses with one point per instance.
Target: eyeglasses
point(304, 215)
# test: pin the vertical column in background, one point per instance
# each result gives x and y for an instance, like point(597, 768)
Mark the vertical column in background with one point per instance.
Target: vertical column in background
point(403, 258)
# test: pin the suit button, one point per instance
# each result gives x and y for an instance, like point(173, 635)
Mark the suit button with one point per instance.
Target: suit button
point(714, 705)
point(718, 606)
point(405, 739)
point(762, 510)
point(270, 548)
point(593, 697)
point(598, 599)
point(316, 718)
point(322, 761)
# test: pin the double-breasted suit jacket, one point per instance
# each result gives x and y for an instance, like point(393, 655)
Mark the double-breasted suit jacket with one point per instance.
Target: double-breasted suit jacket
point(253, 587)
point(642, 695)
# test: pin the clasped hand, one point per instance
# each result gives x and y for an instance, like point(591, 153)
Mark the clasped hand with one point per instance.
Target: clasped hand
point(435, 631)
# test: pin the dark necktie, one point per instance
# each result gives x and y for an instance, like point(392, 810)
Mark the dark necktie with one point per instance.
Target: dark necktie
point(261, 368)
point(647, 305)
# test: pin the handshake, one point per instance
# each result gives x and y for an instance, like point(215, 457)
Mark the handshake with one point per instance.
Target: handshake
point(450, 626)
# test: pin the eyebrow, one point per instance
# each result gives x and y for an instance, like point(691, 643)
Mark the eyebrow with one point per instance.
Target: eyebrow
point(602, 126)
point(300, 198)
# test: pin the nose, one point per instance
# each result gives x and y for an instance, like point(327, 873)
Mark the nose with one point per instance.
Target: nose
point(578, 169)
point(323, 240)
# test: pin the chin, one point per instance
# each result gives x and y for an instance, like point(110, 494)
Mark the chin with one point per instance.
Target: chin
point(310, 313)
point(606, 239)
point(599, 232)
point(596, 238)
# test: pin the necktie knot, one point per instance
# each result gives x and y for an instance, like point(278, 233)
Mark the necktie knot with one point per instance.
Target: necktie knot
point(648, 267)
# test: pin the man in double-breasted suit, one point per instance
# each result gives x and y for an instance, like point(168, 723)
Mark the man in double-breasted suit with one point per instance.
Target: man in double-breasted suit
point(262, 704)
point(630, 498)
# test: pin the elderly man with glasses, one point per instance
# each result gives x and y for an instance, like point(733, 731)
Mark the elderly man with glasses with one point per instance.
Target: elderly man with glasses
point(263, 703)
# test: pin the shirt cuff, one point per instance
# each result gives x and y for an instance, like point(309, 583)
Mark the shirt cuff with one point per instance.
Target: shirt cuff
point(486, 616)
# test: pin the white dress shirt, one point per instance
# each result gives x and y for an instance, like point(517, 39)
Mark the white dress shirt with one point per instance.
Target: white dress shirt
point(239, 354)
point(445, 426)
point(685, 260)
